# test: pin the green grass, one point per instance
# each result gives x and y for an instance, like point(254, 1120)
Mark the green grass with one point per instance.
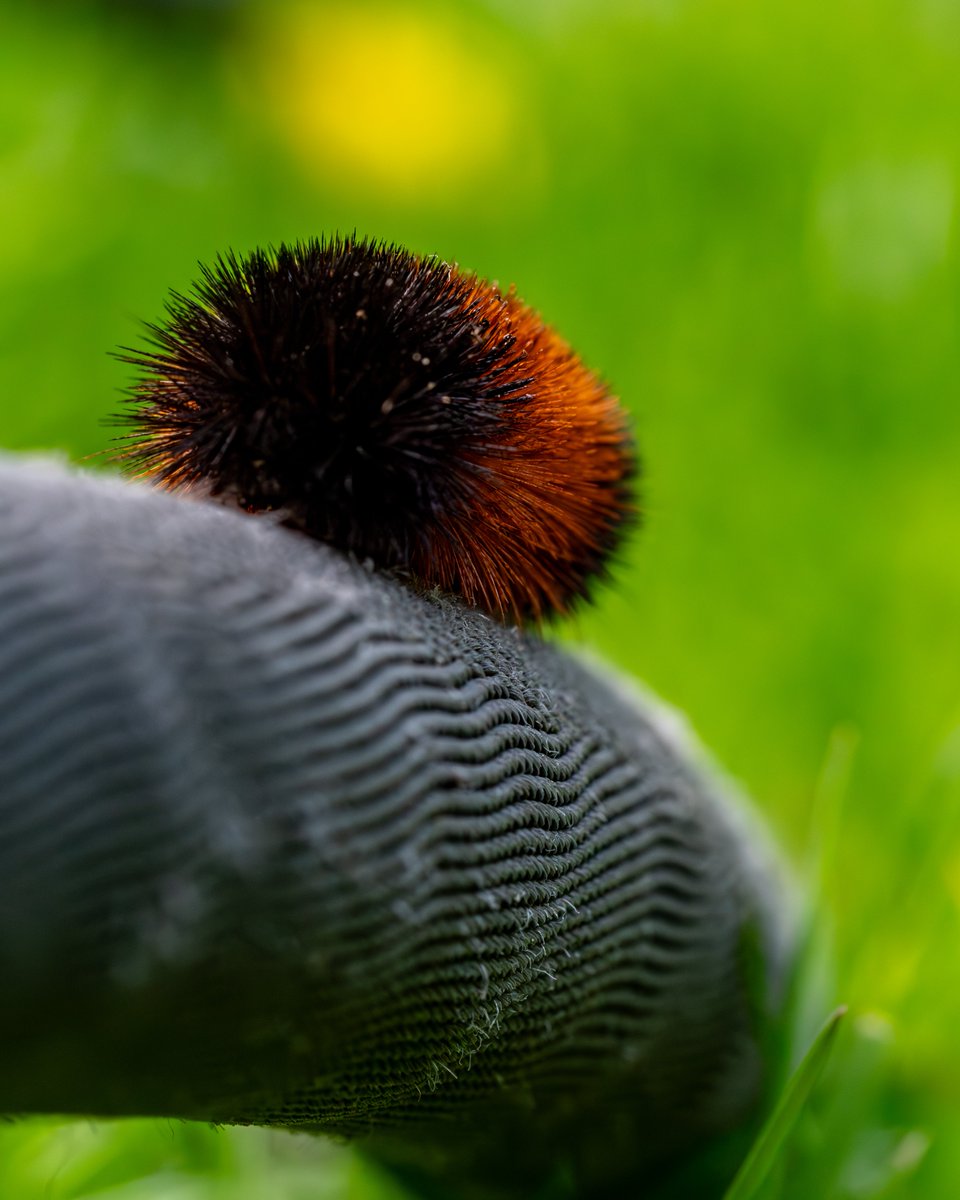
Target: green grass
point(766, 1153)
point(745, 215)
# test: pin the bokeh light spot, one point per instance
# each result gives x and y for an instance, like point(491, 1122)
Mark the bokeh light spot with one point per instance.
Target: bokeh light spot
point(885, 225)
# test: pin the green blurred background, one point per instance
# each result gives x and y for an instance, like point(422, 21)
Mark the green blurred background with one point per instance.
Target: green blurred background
point(744, 216)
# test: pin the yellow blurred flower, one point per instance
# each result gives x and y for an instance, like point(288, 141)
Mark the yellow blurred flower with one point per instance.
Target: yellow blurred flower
point(392, 97)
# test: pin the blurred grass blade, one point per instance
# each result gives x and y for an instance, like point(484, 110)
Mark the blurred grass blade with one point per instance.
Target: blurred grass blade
point(829, 799)
point(757, 1165)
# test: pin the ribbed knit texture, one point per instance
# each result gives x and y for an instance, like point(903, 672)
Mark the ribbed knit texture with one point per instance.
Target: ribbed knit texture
point(282, 842)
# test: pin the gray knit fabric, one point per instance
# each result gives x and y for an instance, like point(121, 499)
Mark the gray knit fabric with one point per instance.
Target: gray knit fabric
point(282, 842)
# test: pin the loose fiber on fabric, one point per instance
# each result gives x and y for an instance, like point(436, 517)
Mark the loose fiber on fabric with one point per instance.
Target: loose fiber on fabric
point(282, 842)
